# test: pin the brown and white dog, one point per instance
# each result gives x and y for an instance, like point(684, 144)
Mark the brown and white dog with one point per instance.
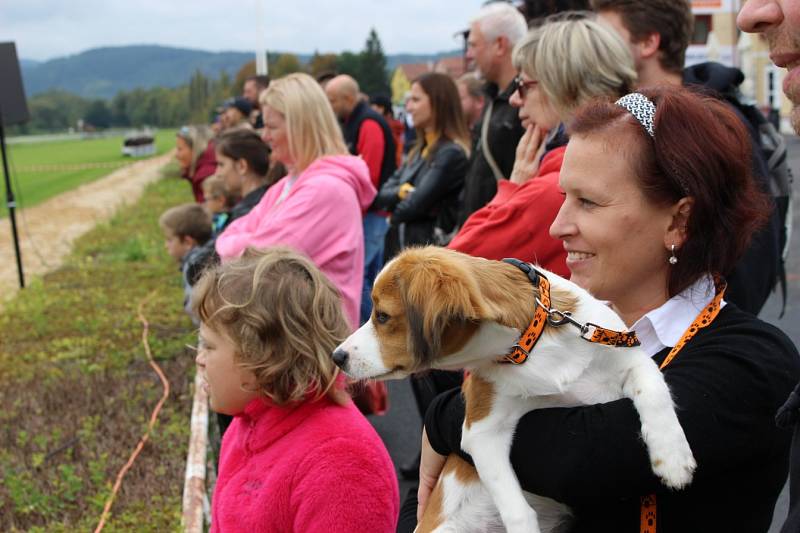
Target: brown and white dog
point(437, 308)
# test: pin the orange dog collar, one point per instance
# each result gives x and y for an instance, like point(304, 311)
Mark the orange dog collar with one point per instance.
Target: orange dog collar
point(544, 314)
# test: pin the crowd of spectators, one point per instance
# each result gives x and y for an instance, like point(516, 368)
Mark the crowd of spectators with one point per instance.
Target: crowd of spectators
point(306, 187)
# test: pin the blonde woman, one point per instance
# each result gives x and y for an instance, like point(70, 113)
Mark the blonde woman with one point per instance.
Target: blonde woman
point(562, 65)
point(298, 455)
point(194, 151)
point(316, 209)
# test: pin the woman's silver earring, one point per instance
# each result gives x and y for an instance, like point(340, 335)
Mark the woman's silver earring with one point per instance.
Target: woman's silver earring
point(672, 259)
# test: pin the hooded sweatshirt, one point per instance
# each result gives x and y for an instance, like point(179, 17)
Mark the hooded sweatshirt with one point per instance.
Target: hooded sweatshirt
point(320, 216)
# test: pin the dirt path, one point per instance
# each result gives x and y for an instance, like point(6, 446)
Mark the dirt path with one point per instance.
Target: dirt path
point(47, 230)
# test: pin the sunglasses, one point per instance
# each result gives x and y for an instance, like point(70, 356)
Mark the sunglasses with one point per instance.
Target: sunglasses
point(524, 86)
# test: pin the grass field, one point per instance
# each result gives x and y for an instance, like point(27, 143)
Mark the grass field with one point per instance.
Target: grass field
point(76, 387)
point(42, 170)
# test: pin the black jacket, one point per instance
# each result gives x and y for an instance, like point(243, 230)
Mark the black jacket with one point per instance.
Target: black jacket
point(755, 275)
point(351, 128)
point(437, 180)
point(505, 131)
point(727, 383)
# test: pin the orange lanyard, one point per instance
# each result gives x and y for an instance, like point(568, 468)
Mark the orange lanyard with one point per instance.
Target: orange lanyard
point(647, 508)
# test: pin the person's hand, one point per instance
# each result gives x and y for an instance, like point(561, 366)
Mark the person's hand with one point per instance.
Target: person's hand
point(529, 152)
point(404, 190)
point(430, 466)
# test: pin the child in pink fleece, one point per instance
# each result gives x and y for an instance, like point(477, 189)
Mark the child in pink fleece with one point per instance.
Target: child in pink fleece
point(298, 455)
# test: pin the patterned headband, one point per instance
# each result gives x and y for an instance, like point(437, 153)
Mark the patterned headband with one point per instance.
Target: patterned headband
point(642, 109)
point(645, 111)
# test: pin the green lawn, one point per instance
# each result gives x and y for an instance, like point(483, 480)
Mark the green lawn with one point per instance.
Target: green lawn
point(33, 185)
point(76, 388)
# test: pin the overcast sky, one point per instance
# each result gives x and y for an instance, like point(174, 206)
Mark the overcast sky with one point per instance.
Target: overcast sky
point(44, 29)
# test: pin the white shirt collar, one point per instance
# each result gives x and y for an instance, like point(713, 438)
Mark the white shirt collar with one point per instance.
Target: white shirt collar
point(664, 326)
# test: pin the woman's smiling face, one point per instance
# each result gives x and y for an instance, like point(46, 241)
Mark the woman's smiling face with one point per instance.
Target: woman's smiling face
point(614, 236)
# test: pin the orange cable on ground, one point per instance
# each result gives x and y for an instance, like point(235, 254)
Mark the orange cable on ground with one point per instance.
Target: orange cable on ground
point(153, 416)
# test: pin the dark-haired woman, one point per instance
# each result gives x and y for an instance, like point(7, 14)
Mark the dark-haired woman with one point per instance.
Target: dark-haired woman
point(423, 195)
point(243, 164)
point(651, 215)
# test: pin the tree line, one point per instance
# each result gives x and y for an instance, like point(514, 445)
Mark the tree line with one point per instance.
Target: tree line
point(196, 101)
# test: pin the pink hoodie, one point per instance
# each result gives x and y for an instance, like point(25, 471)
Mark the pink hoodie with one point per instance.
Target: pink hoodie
point(321, 217)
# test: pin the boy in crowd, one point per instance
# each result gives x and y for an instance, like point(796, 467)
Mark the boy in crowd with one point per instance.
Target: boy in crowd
point(186, 227)
point(218, 203)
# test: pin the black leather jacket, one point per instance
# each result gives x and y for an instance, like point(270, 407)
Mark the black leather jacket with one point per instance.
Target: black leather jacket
point(505, 131)
point(434, 203)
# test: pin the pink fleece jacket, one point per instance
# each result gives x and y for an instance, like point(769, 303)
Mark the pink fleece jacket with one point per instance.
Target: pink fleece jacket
point(315, 467)
point(321, 217)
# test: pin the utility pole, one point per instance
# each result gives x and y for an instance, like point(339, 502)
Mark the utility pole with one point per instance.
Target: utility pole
point(262, 67)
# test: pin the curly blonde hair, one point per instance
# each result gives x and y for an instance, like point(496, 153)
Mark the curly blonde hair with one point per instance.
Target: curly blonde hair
point(284, 318)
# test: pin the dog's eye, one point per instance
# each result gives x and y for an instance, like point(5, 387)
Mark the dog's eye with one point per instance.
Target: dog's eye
point(381, 318)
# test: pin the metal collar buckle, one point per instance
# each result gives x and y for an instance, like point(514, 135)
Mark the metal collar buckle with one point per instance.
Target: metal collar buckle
point(558, 318)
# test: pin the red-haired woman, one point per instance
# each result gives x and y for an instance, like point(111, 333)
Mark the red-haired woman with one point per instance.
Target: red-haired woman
point(659, 198)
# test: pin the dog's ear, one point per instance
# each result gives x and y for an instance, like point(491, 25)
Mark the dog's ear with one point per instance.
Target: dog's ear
point(438, 294)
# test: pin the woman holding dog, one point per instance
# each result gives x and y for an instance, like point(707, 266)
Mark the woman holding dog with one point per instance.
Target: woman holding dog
point(658, 199)
point(562, 65)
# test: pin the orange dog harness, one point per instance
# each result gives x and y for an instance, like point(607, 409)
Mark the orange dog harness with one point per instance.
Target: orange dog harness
point(544, 314)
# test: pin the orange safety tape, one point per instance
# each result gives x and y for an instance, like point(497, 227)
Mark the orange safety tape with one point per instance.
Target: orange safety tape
point(153, 416)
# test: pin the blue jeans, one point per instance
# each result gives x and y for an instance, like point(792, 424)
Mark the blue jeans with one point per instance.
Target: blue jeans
point(375, 228)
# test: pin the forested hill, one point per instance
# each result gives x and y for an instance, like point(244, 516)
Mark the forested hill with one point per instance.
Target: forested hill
point(103, 72)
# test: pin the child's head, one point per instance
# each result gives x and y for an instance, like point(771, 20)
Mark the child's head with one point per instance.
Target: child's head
point(185, 226)
point(281, 319)
point(218, 198)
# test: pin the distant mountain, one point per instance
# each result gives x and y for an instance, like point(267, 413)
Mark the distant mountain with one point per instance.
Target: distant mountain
point(28, 63)
point(103, 72)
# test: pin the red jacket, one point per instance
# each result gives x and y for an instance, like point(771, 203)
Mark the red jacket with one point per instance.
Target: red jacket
point(516, 223)
point(205, 166)
point(315, 467)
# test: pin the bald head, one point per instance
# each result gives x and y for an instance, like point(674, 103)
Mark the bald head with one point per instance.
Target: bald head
point(342, 92)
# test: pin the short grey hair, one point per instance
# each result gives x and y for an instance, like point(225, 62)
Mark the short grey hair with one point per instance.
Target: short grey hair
point(501, 19)
point(574, 61)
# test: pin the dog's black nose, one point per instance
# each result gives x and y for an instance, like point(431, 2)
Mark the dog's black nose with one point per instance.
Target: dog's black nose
point(340, 358)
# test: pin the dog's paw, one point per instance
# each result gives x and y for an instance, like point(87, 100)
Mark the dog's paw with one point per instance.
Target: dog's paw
point(675, 466)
